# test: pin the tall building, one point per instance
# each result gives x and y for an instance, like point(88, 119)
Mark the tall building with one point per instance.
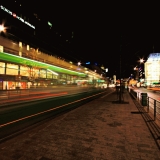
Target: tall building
point(25, 67)
point(35, 29)
point(31, 56)
point(152, 68)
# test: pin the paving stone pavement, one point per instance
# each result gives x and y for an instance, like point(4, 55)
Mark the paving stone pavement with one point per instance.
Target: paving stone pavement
point(98, 130)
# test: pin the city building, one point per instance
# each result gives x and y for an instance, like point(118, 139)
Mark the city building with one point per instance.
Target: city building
point(25, 67)
point(152, 69)
point(34, 29)
point(28, 58)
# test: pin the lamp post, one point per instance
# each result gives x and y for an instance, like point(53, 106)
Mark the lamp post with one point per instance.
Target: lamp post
point(120, 72)
point(141, 68)
point(120, 87)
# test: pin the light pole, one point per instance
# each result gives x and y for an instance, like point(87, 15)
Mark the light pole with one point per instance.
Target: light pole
point(120, 87)
point(120, 73)
point(141, 68)
point(138, 67)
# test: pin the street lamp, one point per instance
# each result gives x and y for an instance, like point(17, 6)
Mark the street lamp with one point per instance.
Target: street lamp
point(79, 63)
point(141, 60)
point(2, 28)
point(135, 68)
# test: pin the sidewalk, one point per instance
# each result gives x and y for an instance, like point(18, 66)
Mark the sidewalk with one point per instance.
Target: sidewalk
point(98, 130)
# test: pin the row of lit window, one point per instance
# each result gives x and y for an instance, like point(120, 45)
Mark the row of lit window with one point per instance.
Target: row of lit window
point(13, 69)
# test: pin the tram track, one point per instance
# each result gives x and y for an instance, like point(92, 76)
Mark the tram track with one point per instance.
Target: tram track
point(34, 113)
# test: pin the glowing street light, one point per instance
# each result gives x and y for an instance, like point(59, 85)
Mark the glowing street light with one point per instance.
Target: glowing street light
point(135, 68)
point(2, 28)
point(79, 63)
point(141, 60)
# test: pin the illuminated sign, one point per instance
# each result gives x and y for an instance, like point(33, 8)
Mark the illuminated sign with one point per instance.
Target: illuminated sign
point(16, 16)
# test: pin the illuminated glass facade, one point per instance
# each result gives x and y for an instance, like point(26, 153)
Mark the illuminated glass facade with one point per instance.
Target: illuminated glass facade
point(152, 68)
point(33, 68)
point(22, 72)
point(13, 75)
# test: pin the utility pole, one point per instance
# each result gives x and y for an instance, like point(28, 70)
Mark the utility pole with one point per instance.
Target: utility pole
point(119, 88)
point(120, 72)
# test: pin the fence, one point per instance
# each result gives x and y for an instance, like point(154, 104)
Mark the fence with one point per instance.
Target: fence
point(152, 105)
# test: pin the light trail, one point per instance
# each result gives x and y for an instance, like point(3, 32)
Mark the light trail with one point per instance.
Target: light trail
point(35, 97)
point(33, 115)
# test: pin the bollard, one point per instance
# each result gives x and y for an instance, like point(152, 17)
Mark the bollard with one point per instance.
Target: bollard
point(144, 99)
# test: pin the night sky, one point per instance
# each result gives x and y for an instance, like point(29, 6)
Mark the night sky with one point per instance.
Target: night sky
point(115, 34)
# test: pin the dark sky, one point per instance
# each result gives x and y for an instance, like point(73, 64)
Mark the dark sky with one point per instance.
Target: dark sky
point(109, 33)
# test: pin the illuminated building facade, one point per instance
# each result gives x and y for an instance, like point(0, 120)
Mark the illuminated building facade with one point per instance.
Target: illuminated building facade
point(25, 67)
point(152, 68)
point(28, 58)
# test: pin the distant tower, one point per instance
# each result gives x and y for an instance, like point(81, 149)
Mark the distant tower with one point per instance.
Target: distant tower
point(153, 48)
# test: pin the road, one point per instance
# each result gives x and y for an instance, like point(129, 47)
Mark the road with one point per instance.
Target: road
point(98, 130)
point(22, 112)
point(151, 93)
point(12, 96)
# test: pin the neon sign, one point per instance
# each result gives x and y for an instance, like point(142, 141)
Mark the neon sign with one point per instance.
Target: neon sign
point(16, 16)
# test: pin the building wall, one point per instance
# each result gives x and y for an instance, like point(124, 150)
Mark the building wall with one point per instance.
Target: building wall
point(152, 68)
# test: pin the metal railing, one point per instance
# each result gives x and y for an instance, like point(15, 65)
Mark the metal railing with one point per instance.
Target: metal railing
point(152, 105)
